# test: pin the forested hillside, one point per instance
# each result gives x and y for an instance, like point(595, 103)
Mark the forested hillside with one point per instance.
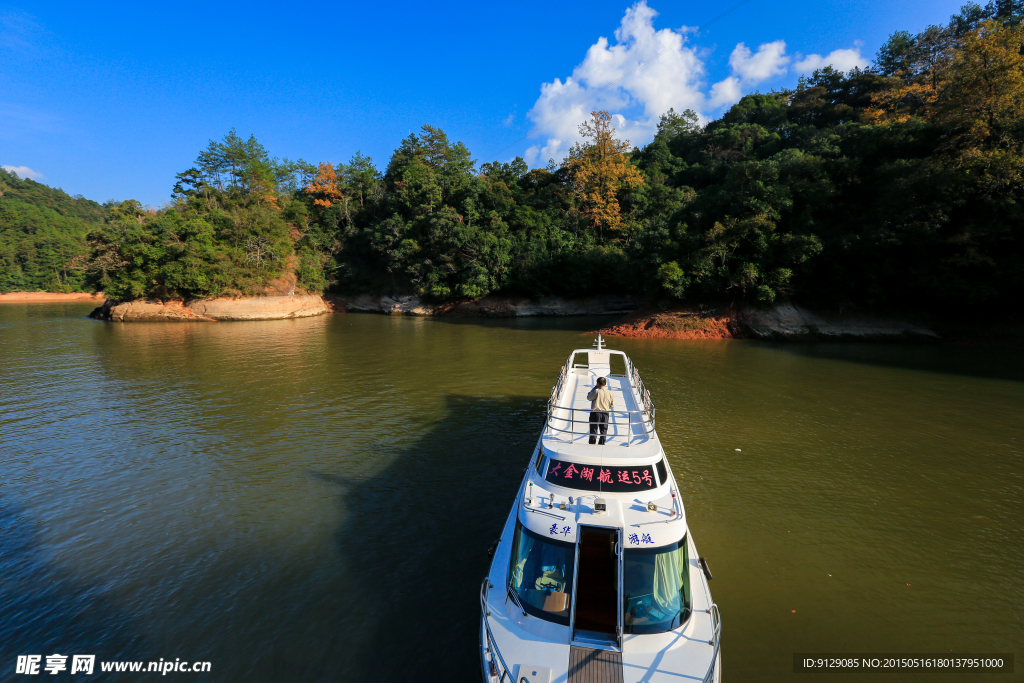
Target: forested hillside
point(901, 185)
point(42, 233)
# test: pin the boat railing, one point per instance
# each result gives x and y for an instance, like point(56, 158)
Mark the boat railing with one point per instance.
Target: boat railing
point(574, 423)
point(716, 640)
point(571, 422)
point(491, 645)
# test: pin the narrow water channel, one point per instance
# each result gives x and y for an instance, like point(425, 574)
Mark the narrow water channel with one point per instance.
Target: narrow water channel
point(312, 500)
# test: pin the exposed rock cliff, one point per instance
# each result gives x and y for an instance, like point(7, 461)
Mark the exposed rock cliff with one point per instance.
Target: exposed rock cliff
point(788, 321)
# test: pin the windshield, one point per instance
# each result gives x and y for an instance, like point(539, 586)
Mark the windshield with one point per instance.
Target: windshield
point(656, 588)
point(540, 573)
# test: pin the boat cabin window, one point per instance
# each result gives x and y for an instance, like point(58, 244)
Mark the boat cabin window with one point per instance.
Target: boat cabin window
point(540, 463)
point(662, 471)
point(656, 588)
point(540, 573)
point(597, 478)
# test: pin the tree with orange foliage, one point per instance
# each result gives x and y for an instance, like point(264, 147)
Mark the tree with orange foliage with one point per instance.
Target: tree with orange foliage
point(976, 95)
point(901, 103)
point(325, 184)
point(981, 105)
point(599, 169)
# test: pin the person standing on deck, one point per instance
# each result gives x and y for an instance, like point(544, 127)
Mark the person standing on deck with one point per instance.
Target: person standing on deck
point(601, 401)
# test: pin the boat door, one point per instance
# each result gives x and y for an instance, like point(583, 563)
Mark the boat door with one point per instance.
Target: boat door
point(597, 592)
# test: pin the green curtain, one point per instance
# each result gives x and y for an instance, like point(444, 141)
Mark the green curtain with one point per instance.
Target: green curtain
point(525, 545)
point(666, 581)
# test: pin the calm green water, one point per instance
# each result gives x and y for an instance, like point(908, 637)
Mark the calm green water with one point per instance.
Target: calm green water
point(312, 500)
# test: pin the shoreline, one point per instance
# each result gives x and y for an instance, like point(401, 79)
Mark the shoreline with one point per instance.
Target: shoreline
point(485, 307)
point(785, 321)
point(48, 297)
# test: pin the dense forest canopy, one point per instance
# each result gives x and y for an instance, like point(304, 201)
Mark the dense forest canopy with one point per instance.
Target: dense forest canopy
point(231, 229)
point(899, 185)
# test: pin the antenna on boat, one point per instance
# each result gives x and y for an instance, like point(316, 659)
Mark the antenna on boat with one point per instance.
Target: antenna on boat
point(599, 342)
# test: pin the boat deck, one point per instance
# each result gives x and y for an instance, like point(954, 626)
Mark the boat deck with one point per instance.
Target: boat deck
point(594, 666)
point(630, 423)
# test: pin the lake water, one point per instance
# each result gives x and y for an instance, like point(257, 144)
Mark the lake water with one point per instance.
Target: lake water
point(312, 500)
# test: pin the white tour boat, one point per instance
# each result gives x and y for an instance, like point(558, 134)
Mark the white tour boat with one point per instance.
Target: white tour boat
point(596, 577)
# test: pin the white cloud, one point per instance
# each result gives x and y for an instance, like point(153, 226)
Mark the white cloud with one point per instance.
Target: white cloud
point(673, 80)
point(840, 60)
point(509, 119)
point(23, 172)
point(749, 69)
point(725, 92)
point(610, 78)
point(770, 61)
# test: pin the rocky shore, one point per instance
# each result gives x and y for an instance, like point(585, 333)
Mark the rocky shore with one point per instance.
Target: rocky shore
point(488, 306)
point(781, 321)
point(47, 297)
point(213, 310)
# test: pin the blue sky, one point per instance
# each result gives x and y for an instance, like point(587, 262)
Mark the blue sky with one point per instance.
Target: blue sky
point(110, 100)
